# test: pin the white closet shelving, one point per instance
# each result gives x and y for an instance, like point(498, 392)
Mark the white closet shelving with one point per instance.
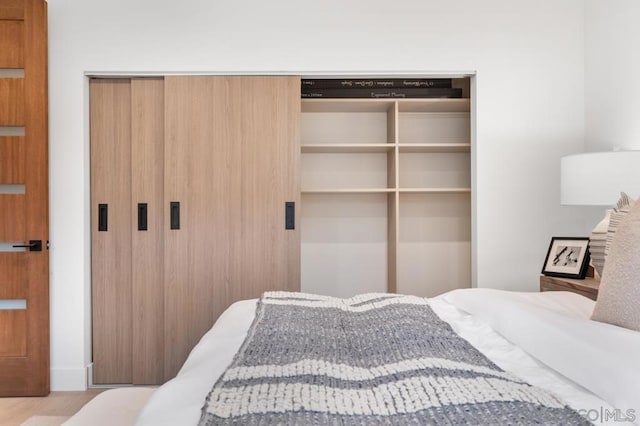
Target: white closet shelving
point(386, 195)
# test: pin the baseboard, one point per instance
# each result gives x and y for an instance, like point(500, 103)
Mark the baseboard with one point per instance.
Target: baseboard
point(69, 379)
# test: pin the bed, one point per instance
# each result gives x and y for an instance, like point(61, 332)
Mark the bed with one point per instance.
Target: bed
point(545, 339)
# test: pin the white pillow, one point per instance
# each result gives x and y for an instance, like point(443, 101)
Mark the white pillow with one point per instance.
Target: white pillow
point(619, 295)
point(619, 212)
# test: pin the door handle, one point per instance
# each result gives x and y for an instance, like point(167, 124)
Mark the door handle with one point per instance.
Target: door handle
point(34, 245)
point(103, 216)
point(174, 213)
point(289, 215)
point(142, 216)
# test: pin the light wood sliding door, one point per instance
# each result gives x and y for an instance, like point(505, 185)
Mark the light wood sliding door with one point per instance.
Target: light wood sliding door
point(127, 128)
point(147, 216)
point(190, 176)
point(24, 196)
point(231, 161)
point(110, 117)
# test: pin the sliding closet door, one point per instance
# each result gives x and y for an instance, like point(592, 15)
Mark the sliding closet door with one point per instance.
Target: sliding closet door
point(231, 162)
point(263, 113)
point(189, 179)
point(127, 149)
point(147, 218)
point(199, 156)
point(110, 121)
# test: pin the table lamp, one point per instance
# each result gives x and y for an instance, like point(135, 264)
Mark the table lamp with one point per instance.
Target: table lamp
point(598, 179)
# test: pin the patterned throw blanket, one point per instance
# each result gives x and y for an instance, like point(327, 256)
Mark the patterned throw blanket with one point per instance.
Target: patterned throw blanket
point(371, 359)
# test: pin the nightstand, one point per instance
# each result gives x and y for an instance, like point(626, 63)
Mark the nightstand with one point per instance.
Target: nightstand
point(587, 287)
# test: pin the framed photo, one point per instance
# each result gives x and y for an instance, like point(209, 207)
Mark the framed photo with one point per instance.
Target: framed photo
point(567, 257)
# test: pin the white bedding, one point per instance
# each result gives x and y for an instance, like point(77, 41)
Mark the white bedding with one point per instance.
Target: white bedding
point(179, 401)
point(553, 326)
point(115, 407)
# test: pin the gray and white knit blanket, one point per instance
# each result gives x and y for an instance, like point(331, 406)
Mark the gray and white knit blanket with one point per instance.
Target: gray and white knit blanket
point(370, 359)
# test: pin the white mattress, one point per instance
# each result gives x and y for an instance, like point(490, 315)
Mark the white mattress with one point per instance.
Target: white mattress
point(179, 401)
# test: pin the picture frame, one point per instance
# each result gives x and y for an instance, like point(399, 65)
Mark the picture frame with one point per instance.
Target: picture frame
point(567, 257)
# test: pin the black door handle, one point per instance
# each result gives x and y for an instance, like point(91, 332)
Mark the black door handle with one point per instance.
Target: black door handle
point(34, 245)
point(142, 216)
point(289, 215)
point(174, 213)
point(103, 215)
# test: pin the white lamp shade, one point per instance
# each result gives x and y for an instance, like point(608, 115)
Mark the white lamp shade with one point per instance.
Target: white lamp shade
point(596, 179)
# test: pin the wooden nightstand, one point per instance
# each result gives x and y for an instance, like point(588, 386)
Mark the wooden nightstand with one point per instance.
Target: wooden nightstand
point(587, 287)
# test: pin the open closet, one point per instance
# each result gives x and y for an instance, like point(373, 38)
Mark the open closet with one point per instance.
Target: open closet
point(386, 194)
point(206, 190)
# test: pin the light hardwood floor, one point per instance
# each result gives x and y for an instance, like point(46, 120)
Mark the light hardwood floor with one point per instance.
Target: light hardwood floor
point(14, 411)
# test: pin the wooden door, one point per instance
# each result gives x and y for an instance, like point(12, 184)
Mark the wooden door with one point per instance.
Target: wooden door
point(111, 229)
point(147, 248)
point(231, 162)
point(24, 215)
point(127, 147)
point(224, 148)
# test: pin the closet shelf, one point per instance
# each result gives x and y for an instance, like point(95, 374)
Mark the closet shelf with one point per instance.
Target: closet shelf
point(383, 105)
point(347, 148)
point(386, 190)
point(435, 190)
point(349, 191)
point(347, 105)
point(434, 105)
point(339, 148)
point(434, 147)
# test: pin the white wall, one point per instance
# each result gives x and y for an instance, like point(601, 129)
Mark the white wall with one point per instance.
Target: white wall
point(612, 75)
point(529, 58)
